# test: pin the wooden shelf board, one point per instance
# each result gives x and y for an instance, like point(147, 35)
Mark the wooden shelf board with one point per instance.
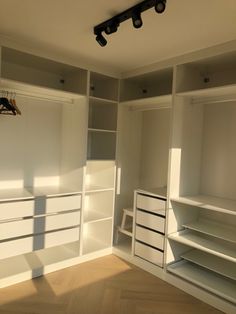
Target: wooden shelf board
point(40, 92)
point(149, 103)
point(192, 239)
point(214, 283)
point(211, 262)
point(212, 228)
point(226, 92)
point(209, 202)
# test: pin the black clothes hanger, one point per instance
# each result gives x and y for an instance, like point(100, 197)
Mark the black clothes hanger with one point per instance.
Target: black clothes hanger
point(6, 106)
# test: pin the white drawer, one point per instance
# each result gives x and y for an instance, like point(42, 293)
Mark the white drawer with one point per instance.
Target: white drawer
point(38, 242)
point(39, 206)
point(57, 204)
point(37, 225)
point(149, 254)
point(151, 204)
point(150, 237)
point(150, 221)
point(16, 209)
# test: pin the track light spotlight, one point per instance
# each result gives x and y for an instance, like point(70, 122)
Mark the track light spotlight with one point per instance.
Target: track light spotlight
point(137, 20)
point(101, 40)
point(110, 26)
point(160, 6)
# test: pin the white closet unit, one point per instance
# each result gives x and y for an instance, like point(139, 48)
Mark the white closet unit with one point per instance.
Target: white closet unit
point(41, 176)
point(99, 191)
point(202, 222)
point(142, 159)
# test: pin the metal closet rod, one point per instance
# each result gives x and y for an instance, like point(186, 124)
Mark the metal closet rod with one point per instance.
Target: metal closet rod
point(15, 93)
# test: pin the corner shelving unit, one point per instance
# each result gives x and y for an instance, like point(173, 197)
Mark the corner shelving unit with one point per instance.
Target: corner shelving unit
point(100, 173)
point(202, 221)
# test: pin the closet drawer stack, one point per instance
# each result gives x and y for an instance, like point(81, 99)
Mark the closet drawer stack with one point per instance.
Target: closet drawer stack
point(150, 227)
point(38, 223)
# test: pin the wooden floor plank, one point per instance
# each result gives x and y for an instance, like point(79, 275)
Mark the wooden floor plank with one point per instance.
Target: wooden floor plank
point(106, 285)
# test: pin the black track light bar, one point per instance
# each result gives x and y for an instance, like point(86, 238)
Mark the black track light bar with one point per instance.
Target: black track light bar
point(110, 26)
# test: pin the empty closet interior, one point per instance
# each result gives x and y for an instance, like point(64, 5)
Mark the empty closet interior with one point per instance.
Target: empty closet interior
point(202, 220)
point(143, 141)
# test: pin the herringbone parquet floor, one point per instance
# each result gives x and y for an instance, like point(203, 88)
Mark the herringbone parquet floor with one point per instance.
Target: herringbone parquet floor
point(106, 285)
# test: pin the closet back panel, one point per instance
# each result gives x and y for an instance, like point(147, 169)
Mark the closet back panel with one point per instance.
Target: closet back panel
point(154, 148)
point(39, 146)
point(30, 145)
point(219, 150)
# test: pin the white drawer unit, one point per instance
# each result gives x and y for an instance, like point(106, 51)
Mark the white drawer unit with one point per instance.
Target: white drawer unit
point(149, 254)
point(38, 242)
point(150, 237)
point(150, 221)
point(151, 204)
point(39, 206)
point(38, 225)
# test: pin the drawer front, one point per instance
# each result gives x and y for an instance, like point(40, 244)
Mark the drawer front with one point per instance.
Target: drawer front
point(38, 242)
point(37, 225)
point(16, 209)
point(150, 237)
point(39, 206)
point(151, 204)
point(57, 204)
point(149, 254)
point(150, 221)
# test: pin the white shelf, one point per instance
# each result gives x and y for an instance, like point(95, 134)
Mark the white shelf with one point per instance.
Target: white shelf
point(31, 192)
point(15, 194)
point(205, 279)
point(91, 245)
point(209, 202)
point(101, 130)
point(95, 188)
point(98, 99)
point(210, 95)
point(213, 263)
point(157, 192)
point(149, 103)
point(194, 240)
point(91, 216)
point(25, 89)
point(212, 228)
point(23, 267)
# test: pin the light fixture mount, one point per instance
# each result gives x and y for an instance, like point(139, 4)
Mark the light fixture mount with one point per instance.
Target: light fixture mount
point(110, 26)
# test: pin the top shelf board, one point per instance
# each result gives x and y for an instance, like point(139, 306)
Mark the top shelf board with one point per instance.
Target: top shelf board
point(209, 202)
point(28, 90)
point(149, 103)
point(211, 95)
point(31, 192)
point(157, 192)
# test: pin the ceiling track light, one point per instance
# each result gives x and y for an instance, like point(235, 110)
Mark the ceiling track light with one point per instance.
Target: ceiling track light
point(160, 6)
point(137, 20)
point(110, 26)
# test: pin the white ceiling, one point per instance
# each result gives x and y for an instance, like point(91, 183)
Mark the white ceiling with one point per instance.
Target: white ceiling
point(66, 28)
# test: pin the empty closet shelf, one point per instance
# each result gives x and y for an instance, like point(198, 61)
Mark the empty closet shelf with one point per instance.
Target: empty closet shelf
point(204, 278)
point(193, 239)
point(213, 228)
point(211, 262)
